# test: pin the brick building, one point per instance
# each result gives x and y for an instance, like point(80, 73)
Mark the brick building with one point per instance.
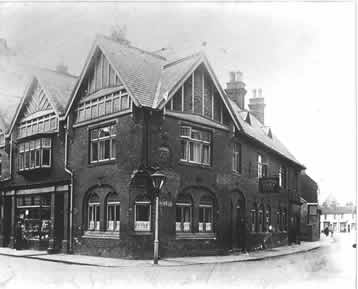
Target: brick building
point(36, 195)
point(132, 112)
point(310, 214)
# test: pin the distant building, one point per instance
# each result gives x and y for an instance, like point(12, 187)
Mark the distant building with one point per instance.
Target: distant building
point(309, 227)
point(339, 219)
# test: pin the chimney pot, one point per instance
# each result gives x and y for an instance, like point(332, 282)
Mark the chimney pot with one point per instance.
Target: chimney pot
point(235, 88)
point(257, 105)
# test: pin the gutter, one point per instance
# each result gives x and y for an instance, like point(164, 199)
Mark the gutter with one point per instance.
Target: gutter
point(70, 172)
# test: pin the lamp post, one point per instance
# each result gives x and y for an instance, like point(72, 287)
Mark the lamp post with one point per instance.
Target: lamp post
point(158, 180)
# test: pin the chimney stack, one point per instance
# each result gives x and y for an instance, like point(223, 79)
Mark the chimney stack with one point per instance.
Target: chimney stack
point(235, 89)
point(257, 105)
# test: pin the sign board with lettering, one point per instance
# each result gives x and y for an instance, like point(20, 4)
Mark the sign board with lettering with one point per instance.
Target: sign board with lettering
point(269, 185)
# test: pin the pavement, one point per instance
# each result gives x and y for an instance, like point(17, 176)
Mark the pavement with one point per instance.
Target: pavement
point(178, 261)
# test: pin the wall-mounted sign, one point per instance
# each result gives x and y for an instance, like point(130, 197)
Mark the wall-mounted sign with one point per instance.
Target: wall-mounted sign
point(268, 185)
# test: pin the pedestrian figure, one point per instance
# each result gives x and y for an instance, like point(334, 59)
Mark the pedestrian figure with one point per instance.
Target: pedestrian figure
point(326, 231)
point(18, 236)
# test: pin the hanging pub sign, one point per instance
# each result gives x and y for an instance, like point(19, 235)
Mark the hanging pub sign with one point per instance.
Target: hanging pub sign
point(269, 185)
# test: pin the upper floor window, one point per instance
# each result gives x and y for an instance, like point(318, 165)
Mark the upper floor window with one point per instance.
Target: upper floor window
point(261, 167)
point(2, 139)
point(236, 158)
point(104, 105)
point(283, 177)
point(195, 145)
point(35, 154)
point(0, 165)
point(37, 125)
point(102, 144)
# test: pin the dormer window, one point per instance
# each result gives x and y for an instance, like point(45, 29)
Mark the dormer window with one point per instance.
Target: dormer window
point(34, 154)
point(44, 124)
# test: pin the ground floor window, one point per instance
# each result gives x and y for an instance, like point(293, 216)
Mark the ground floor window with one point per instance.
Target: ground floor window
point(284, 220)
point(268, 218)
point(206, 208)
point(142, 214)
point(113, 212)
point(183, 210)
point(278, 220)
point(260, 217)
point(93, 212)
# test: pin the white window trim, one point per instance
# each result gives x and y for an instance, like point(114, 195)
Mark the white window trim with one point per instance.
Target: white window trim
point(135, 216)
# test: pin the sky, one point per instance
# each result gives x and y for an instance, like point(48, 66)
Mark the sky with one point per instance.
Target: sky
point(300, 54)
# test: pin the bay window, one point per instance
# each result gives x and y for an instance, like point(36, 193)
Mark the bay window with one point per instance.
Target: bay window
point(34, 154)
point(102, 144)
point(195, 145)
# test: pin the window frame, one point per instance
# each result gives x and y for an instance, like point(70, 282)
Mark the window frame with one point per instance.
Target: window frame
point(180, 227)
point(101, 140)
point(190, 143)
point(143, 226)
point(237, 158)
point(32, 151)
point(116, 216)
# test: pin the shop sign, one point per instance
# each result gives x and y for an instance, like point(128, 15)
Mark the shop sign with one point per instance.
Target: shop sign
point(269, 185)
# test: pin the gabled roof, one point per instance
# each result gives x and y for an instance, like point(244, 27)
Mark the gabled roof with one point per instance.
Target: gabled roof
point(57, 87)
point(257, 131)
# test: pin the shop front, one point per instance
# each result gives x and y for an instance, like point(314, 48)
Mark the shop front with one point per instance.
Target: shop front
point(37, 218)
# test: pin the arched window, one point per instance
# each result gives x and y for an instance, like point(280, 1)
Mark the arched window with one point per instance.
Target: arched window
point(93, 212)
point(260, 218)
point(268, 218)
point(142, 214)
point(253, 218)
point(113, 212)
point(206, 212)
point(184, 209)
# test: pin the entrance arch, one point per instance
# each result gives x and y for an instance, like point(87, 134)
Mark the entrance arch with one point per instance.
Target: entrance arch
point(238, 212)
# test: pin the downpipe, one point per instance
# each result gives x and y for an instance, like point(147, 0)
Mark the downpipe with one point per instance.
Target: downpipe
point(70, 172)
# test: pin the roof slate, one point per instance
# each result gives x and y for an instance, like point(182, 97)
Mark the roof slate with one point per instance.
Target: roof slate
point(257, 131)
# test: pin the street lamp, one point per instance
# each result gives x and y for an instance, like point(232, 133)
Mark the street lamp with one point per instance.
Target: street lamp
point(158, 180)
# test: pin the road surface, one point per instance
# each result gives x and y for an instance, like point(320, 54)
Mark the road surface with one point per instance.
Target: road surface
point(332, 266)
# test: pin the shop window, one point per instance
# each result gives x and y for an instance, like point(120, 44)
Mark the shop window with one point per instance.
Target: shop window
point(93, 212)
point(35, 154)
point(184, 207)
point(195, 146)
point(236, 158)
point(102, 144)
point(142, 216)
point(113, 212)
point(206, 211)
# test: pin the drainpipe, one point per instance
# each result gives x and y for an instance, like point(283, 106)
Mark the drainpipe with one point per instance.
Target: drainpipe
point(70, 172)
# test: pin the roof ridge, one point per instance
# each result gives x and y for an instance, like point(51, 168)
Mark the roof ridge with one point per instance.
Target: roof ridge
point(131, 46)
point(176, 61)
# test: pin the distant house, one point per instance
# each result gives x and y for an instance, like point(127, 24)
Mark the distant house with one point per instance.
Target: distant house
point(309, 227)
point(339, 219)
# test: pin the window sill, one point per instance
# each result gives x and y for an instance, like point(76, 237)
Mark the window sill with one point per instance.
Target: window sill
point(100, 163)
point(33, 170)
point(195, 236)
point(185, 163)
point(37, 135)
point(142, 233)
point(101, 235)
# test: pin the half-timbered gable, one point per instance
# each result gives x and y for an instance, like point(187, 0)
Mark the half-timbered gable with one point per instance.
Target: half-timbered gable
point(199, 95)
point(38, 115)
point(101, 92)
